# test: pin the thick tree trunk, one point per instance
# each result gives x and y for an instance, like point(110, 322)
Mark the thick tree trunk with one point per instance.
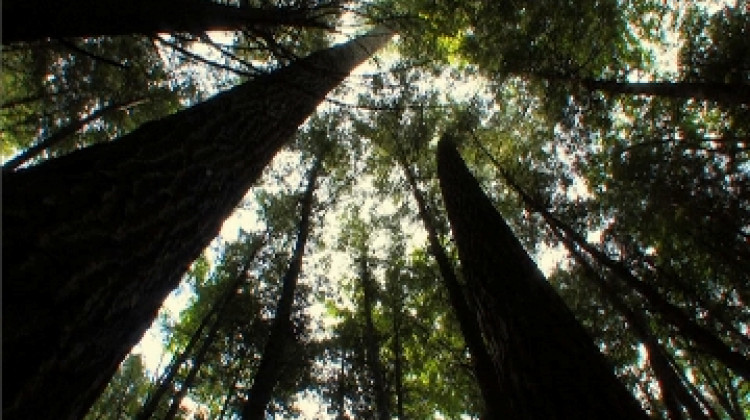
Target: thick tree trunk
point(274, 354)
point(95, 240)
point(549, 367)
point(32, 20)
point(732, 94)
point(484, 370)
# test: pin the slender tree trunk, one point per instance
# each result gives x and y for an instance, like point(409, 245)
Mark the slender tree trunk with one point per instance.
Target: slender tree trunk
point(732, 94)
point(372, 345)
point(87, 18)
point(549, 367)
point(398, 352)
point(274, 352)
point(484, 370)
point(149, 408)
point(341, 391)
point(94, 241)
point(65, 132)
point(197, 362)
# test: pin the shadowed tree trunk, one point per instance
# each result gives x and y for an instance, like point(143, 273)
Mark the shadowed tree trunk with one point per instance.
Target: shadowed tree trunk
point(87, 18)
point(731, 94)
point(548, 365)
point(274, 352)
point(94, 241)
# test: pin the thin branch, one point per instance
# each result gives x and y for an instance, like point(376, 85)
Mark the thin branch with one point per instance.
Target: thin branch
point(70, 45)
point(201, 59)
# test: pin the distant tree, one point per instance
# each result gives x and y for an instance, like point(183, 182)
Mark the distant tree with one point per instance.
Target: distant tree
point(125, 392)
point(276, 349)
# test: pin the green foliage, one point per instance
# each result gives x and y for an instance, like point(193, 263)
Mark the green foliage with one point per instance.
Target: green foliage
point(125, 393)
point(658, 185)
point(51, 86)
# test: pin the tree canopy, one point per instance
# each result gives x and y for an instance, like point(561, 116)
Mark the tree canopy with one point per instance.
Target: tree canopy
point(608, 140)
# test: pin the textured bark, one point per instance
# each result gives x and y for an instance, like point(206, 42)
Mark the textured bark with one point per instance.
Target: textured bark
point(548, 365)
point(274, 352)
point(733, 94)
point(94, 241)
point(484, 370)
point(31, 20)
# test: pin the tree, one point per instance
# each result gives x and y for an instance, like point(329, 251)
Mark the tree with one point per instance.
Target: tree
point(76, 19)
point(547, 363)
point(212, 319)
point(277, 345)
point(88, 266)
point(124, 394)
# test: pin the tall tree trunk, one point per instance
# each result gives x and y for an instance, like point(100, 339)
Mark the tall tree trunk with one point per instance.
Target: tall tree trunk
point(731, 94)
point(484, 370)
point(341, 389)
point(86, 18)
point(94, 241)
point(549, 367)
point(372, 344)
point(195, 366)
point(152, 403)
point(274, 352)
point(705, 340)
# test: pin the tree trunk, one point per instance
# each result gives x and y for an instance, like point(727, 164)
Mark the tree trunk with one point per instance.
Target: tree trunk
point(372, 345)
point(87, 18)
point(195, 366)
point(274, 354)
point(398, 352)
point(731, 94)
point(95, 240)
point(152, 403)
point(706, 340)
point(484, 370)
point(548, 365)
point(674, 394)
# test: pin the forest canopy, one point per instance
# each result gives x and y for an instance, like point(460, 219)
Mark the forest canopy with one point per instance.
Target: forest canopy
point(391, 208)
